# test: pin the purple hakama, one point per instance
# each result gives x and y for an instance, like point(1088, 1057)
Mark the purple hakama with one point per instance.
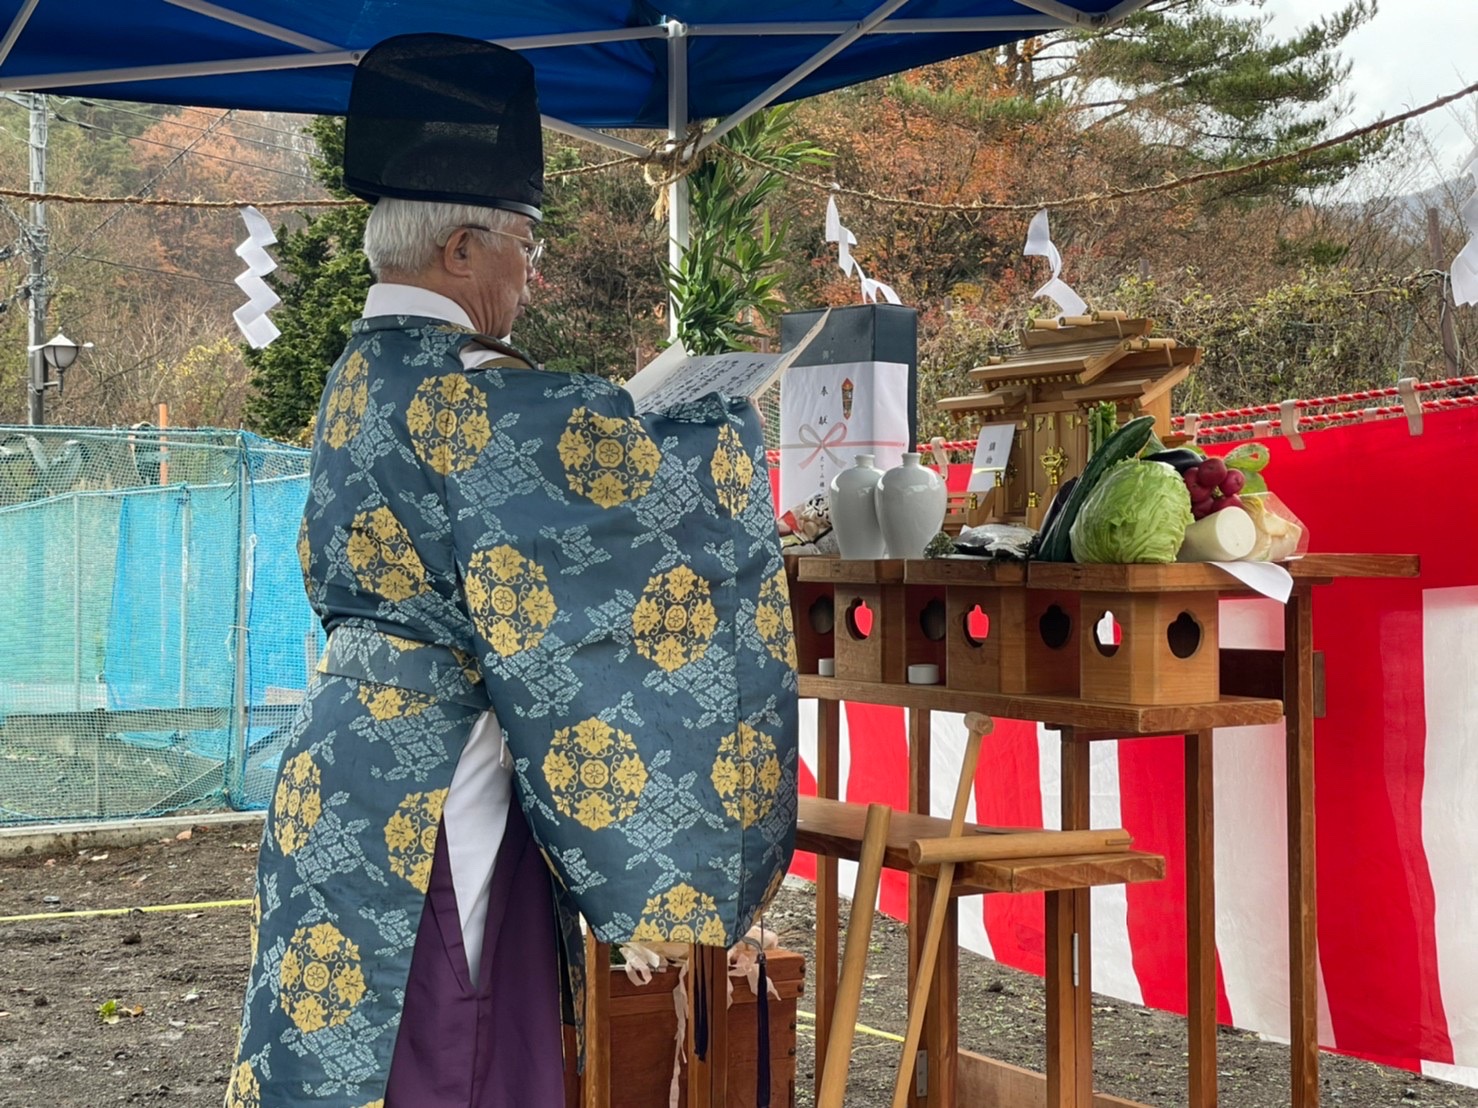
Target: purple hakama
point(499, 1045)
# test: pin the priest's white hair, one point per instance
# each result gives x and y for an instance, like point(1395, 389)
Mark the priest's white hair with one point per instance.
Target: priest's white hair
point(403, 236)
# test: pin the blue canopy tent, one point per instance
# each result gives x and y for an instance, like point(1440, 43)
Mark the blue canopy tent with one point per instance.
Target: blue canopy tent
point(600, 63)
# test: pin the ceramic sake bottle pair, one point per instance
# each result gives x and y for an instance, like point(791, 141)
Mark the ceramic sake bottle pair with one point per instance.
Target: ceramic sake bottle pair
point(886, 515)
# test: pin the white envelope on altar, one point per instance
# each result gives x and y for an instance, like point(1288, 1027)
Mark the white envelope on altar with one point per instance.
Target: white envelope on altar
point(831, 413)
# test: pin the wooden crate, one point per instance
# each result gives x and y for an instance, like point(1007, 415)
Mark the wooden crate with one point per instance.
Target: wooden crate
point(1166, 652)
point(813, 607)
point(644, 1028)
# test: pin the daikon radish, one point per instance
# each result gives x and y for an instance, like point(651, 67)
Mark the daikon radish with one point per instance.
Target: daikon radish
point(1224, 536)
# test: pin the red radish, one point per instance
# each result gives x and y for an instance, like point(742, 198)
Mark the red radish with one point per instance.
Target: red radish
point(1200, 494)
point(1226, 502)
point(1212, 472)
point(1232, 483)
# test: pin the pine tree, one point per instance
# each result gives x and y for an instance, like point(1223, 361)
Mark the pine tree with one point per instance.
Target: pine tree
point(1206, 79)
point(323, 278)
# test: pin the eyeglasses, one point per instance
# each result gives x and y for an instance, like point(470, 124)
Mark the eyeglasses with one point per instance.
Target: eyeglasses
point(533, 249)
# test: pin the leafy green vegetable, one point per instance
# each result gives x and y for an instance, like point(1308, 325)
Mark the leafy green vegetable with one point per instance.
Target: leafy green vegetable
point(1137, 513)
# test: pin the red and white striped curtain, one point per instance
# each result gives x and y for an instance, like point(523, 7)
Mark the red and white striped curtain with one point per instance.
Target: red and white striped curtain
point(1396, 779)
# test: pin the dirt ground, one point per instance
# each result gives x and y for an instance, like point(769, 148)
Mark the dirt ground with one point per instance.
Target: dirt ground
point(174, 979)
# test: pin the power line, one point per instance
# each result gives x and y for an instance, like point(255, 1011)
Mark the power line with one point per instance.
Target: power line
point(197, 153)
point(176, 121)
point(147, 186)
point(243, 122)
point(150, 269)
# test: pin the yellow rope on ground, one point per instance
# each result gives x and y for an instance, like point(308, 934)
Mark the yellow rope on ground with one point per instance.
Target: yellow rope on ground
point(861, 1027)
point(85, 912)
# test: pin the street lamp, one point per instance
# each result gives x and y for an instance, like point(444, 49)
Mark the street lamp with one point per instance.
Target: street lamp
point(59, 354)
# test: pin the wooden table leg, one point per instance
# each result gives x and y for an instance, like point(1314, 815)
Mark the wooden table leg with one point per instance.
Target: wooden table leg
point(1070, 941)
point(1065, 1049)
point(596, 1083)
point(1298, 700)
point(1200, 914)
point(920, 890)
point(828, 925)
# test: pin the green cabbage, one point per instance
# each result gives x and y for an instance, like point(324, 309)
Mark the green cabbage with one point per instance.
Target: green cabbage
point(1138, 512)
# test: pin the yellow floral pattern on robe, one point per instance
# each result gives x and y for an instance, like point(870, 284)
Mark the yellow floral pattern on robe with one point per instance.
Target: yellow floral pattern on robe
point(509, 600)
point(297, 805)
point(344, 408)
point(305, 550)
point(448, 422)
point(680, 915)
point(387, 702)
point(607, 459)
point(594, 773)
point(321, 979)
point(256, 922)
point(674, 619)
point(746, 775)
point(595, 576)
point(733, 472)
point(774, 621)
point(383, 557)
point(410, 836)
point(243, 1090)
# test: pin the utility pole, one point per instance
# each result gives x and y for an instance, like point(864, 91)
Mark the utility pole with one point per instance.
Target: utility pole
point(36, 282)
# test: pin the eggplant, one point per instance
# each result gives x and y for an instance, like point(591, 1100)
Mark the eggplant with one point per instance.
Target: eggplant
point(1180, 458)
point(1053, 510)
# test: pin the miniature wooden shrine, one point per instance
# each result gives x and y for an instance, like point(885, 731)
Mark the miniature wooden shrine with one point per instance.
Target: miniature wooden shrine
point(1068, 366)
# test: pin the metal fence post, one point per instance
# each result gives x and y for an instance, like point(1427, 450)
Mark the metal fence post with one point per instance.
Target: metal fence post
point(77, 602)
point(186, 520)
point(236, 758)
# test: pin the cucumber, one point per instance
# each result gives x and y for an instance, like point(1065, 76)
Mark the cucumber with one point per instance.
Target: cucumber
point(1123, 444)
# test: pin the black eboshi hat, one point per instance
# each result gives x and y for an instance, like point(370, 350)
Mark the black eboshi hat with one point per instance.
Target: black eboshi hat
point(445, 118)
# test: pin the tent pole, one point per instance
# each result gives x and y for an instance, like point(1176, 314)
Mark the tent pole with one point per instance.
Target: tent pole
point(802, 71)
point(1065, 12)
point(677, 133)
point(589, 134)
point(246, 22)
point(40, 82)
point(17, 25)
point(1026, 24)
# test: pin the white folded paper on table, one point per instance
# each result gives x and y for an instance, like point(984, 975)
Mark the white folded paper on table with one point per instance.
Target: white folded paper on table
point(1268, 578)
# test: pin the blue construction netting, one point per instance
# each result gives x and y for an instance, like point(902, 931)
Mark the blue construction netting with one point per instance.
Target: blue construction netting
point(154, 637)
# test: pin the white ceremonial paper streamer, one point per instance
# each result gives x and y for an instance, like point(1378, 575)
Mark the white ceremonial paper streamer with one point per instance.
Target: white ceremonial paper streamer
point(1039, 244)
point(845, 240)
point(251, 318)
point(1465, 265)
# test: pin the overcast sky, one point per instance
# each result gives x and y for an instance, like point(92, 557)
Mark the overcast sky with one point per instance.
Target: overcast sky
point(1412, 52)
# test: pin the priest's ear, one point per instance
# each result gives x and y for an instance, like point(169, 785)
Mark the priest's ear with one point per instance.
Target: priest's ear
point(456, 254)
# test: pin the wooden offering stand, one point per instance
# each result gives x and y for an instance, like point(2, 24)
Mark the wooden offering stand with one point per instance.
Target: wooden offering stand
point(1069, 366)
point(1097, 652)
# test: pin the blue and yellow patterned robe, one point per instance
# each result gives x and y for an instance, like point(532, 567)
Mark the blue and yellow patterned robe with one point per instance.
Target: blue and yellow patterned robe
point(611, 585)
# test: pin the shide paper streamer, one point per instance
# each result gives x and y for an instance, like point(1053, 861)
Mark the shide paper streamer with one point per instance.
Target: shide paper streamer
point(1465, 265)
point(251, 317)
point(1039, 244)
point(845, 240)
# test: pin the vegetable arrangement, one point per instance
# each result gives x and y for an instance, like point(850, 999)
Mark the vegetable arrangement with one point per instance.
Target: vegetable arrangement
point(1138, 502)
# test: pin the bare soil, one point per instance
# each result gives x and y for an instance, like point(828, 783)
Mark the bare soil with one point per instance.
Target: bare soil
point(174, 979)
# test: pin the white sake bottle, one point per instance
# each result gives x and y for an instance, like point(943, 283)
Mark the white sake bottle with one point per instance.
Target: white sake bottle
point(854, 515)
point(911, 501)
